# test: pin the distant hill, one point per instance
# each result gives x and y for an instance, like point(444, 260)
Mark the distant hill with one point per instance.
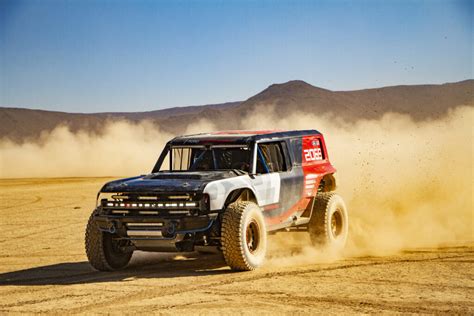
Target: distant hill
point(419, 101)
point(18, 124)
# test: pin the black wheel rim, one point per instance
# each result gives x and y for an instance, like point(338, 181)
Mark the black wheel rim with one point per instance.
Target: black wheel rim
point(336, 223)
point(119, 246)
point(252, 236)
point(116, 246)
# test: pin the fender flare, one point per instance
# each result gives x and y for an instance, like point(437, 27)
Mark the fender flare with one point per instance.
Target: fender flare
point(220, 191)
point(327, 183)
point(237, 193)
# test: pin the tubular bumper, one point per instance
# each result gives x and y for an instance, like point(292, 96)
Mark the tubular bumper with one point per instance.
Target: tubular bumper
point(152, 227)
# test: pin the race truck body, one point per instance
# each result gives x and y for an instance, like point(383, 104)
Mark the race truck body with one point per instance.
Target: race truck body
point(221, 190)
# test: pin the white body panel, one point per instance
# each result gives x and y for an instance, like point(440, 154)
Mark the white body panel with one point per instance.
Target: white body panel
point(266, 188)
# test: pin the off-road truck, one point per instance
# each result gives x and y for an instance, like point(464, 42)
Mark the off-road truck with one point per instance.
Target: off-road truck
point(222, 191)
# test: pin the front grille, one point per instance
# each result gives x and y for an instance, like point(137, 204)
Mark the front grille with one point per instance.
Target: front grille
point(160, 204)
point(161, 213)
point(144, 229)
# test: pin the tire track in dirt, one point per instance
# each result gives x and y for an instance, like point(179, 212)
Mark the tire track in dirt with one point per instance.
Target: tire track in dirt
point(360, 305)
point(83, 197)
point(36, 200)
point(231, 279)
point(407, 283)
point(36, 301)
point(150, 292)
point(14, 239)
point(45, 254)
point(236, 278)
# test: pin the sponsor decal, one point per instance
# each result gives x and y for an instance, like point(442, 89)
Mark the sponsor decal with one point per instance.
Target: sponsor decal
point(313, 154)
point(312, 150)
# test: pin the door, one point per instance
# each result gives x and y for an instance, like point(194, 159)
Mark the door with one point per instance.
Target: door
point(276, 182)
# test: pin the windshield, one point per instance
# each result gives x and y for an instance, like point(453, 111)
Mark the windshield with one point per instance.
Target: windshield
point(210, 158)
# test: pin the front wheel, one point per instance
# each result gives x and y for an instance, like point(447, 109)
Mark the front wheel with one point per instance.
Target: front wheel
point(243, 236)
point(104, 252)
point(329, 223)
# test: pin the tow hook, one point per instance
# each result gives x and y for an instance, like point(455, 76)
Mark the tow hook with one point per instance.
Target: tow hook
point(169, 229)
point(112, 229)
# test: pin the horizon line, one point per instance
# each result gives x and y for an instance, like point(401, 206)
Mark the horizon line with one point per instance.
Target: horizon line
point(237, 101)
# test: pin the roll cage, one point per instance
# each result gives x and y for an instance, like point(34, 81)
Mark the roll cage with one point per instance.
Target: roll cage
point(260, 159)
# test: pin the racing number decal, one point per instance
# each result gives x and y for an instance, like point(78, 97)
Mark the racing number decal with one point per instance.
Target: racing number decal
point(314, 153)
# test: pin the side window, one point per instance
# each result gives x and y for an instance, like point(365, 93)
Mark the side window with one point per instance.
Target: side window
point(270, 158)
point(297, 149)
point(166, 163)
point(163, 162)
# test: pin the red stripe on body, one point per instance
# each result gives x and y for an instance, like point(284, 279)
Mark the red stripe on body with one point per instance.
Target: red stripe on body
point(271, 206)
point(315, 165)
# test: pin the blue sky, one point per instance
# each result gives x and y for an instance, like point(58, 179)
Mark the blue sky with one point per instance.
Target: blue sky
point(94, 56)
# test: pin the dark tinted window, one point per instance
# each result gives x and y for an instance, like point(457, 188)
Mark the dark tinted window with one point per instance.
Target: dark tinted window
point(270, 158)
point(201, 159)
point(297, 148)
point(232, 158)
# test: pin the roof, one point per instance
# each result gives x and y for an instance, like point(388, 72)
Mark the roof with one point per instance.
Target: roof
point(238, 137)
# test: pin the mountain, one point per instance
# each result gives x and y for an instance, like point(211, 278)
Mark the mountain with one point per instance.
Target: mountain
point(419, 101)
point(18, 124)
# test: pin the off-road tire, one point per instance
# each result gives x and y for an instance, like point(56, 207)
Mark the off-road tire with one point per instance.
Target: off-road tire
point(100, 249)
point(238, 219)
point(329, 209)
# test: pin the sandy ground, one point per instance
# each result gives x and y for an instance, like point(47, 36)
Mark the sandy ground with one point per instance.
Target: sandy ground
point(43, 268)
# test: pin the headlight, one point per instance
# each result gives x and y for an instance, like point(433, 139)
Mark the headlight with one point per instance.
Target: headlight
point(109, 197)
point(120, 200)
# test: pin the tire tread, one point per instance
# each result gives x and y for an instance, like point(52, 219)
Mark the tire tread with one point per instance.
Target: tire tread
point(94, 246)
point(231, 235)
point(319, 219)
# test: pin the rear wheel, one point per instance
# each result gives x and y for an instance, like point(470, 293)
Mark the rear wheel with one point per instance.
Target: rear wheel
point(328, 226)
point(104, 252)
point(243, 236)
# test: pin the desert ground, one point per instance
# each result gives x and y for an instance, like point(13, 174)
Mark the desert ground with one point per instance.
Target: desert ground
point(43, 269)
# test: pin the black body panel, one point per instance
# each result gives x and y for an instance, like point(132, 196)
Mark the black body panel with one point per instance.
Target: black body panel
point(161, 182)
point(202, 139)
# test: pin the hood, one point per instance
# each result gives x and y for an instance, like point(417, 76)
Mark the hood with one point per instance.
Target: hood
point(168, 182)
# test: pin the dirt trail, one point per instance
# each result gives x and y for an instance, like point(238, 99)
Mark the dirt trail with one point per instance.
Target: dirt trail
point(43, 269)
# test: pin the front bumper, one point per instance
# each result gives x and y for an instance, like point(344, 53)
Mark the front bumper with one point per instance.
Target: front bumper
point(152, 233)
point(139, 227)
point(153, 221)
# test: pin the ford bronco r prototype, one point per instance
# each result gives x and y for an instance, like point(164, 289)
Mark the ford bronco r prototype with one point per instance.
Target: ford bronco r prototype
point(222, 190)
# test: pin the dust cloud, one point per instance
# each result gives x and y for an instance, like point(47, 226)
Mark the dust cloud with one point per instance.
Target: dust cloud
point(407, 184)
point(123, 148)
